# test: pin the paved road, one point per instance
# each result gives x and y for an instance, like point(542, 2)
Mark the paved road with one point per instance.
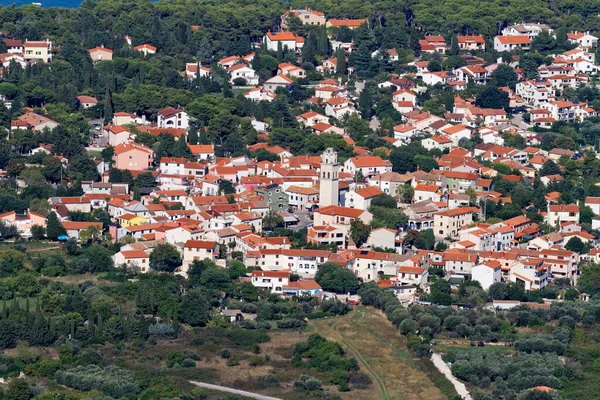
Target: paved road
point(374, 123)
point(517, 120)
point(233, 391)
point(460, 387)
point(303, 220)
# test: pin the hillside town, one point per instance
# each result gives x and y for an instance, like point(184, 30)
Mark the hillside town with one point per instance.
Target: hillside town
point(474, 158)
point(191, 183)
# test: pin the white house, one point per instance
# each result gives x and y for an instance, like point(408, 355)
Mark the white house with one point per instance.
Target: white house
point(407, 275)
point(284, 39)
point(191, 70)
point(384, 238)
point(528, 29)
point(170, 117)
point(172, 165)
point(560, 213)
point(242, 71)
point(338, 107)
point(133, 258)
point(594, 204)
point(404, 132)
point(259, 94)
point(278, 80)
point(512, 43)
point(361, 198)
point(583, 39)
point(197, 250)
point(487, 273)
point(271, 280)
point(367, 165)
point(441, 142)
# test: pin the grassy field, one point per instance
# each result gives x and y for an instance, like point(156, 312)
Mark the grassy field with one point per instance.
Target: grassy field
point(238, 91)
point(381, 351)
point(30, 246)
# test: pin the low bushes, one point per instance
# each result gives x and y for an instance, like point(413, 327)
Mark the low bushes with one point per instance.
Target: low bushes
point(111, 380)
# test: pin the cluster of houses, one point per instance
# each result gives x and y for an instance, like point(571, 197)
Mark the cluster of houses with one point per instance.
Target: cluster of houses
point(186, 210)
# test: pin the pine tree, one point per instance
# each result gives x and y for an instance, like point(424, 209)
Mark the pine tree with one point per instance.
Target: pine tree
point(108, 107)
point(193, 134)
point(54, 228)
point(340, 62)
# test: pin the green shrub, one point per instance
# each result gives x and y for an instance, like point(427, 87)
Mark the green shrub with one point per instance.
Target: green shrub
point(174, 358)
point(111, 380)
point(188, 363)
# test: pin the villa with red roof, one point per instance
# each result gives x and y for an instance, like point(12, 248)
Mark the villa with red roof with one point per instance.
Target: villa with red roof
point(367, 166)
point(284, 39)
point(512, 43)
point(146, 48)
point(100, 54)
point(471, 43)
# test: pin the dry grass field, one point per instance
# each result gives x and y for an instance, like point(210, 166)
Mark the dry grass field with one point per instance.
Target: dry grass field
point(381, 351)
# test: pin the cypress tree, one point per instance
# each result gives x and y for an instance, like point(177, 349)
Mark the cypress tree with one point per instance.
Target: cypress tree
point(193, 134)
point(202, 138)
point(391, 129)
point(279, 51)
point(227, 93)
point(181, 148)
point(323, 41)
point(198, 74)
point(454, 49)
point(54, 228)
point(136, 194)
point(340, 62)
point(108, 107)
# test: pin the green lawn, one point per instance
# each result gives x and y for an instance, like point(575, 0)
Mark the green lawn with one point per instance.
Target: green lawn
point(238, 91)
point(29, 246)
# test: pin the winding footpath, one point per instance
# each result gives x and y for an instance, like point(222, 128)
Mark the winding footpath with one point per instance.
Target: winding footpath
point(233, 391)
point(385, 395)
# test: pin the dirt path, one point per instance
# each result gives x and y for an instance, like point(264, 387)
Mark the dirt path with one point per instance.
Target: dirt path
point(460, 387)
point(385, 395)
point(233, 391)
point(380, 349)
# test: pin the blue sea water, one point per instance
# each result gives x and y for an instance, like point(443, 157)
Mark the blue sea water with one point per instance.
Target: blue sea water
point(45, 3)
